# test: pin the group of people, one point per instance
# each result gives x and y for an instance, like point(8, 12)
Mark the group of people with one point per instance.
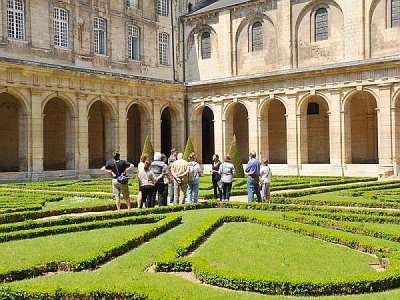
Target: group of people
point(183, 176)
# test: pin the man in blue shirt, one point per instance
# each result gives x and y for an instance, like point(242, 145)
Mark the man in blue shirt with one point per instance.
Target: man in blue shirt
point(253, 179)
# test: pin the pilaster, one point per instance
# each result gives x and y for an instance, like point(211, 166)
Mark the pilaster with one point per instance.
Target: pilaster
point(82, 155)
point(37, 135)
point(335, 130)
point(292, 134)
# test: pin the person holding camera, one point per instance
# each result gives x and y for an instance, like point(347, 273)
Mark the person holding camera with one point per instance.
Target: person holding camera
point(118, 168)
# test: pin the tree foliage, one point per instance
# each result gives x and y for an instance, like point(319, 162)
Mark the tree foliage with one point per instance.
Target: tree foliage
point(148, 148)
point(236, 158)
point(188, 148)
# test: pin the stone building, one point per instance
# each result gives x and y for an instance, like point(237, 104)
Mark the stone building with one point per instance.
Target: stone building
point(312, 85)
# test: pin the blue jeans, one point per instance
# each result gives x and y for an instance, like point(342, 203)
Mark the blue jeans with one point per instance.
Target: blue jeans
point(253, 188)
point(193, 191)
point(171, 193)
point(226, 190)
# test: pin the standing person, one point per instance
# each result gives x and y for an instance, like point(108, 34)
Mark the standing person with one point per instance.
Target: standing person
point(171, 159)
point(179, 171)
point(216, 176)
point(227, 169)
point(147, 180)
point(140, 168)
point(167, 176)
point(159, 169)
point(253, 179)
point(193, 179)
point(265, 175)
point(116, 167)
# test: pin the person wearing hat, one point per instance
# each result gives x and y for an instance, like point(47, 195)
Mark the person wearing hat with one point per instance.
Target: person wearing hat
point(265, 181)
point(117, 167)
point(159, 169)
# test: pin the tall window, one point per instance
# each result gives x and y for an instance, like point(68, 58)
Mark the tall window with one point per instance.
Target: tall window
point(321, 24)
point(163, 48)
point(60, 27)
point(395, 16)
point(205, 45)
point(100, 36)
point(256, 36)
point(132, 3)
point(16, 19)
point(162, 7)
point(133, 42)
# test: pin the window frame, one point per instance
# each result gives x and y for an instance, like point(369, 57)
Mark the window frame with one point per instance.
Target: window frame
point(260, 37)
point(100, 36)
point(16, 20)
point(163, 8)
point(163, 49)
point(133, 38)
point(132, 3)
point(205, 49)
point(394, 16)
point(325, 34)
point(62, 26)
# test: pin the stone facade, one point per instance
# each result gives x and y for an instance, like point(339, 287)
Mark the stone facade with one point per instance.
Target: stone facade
point(314, 86)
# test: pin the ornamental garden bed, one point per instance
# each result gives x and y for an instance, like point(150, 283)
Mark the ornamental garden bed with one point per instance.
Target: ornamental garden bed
point(335, 241)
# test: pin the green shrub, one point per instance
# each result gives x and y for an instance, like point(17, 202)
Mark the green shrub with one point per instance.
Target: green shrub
point(236, 158)
point(188, 148)
point(148, 148)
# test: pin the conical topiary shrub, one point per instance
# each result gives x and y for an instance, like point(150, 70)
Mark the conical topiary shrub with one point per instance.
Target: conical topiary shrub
point(236, 158)
point(148, 148)
point(188, 149)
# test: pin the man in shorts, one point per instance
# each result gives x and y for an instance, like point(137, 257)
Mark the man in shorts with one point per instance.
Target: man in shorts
point(116, 167)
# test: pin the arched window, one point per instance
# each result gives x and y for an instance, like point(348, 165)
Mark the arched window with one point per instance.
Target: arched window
point(60, 27)
point(133, 42)
point(100, 36)
point(163, 48)
point(256, 36)
point(313, 108)
point(321, 24)
point(395, 13)
point(205, 45)
point(16, 19)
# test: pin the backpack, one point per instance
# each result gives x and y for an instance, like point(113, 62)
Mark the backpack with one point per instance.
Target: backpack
point(191, 173)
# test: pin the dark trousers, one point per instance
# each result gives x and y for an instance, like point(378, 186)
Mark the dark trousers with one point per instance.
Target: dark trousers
point(217, 190)
point(162, 190)
point(147, 195)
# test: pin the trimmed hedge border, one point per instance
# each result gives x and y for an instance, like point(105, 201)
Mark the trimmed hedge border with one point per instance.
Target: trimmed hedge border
point(175, 261)
point(94, 262)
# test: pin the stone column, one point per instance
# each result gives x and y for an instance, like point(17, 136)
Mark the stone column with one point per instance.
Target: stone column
point(385, 147)
point(292, 135)
point(122, 143)
point(82, 153)
point(253, 126)
point(219, 130)
point(155, 123)
point(37, 135)
point(335, 133)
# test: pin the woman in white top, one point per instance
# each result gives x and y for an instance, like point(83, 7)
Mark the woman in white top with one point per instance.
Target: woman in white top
point(194, 170)
point(147, 181)
point(226, 169)
point(265, 181)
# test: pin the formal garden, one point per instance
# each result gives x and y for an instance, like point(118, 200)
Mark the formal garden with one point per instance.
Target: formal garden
point(332, 237)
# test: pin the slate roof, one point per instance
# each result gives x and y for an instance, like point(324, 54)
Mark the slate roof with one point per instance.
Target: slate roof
point(209, 5)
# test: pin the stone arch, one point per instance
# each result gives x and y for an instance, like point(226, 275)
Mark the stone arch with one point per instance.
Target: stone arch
point(13, 132)
point(58, 135)
point(138, 126)
point(170, 129)
point(198, 67)
point(273, 132)
point(248, 61)
point(314, 130)
point(360, 128)
point(383, 37)
point(307, 52)
point(237, 123)
point(202, 132)
point(101, 119)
